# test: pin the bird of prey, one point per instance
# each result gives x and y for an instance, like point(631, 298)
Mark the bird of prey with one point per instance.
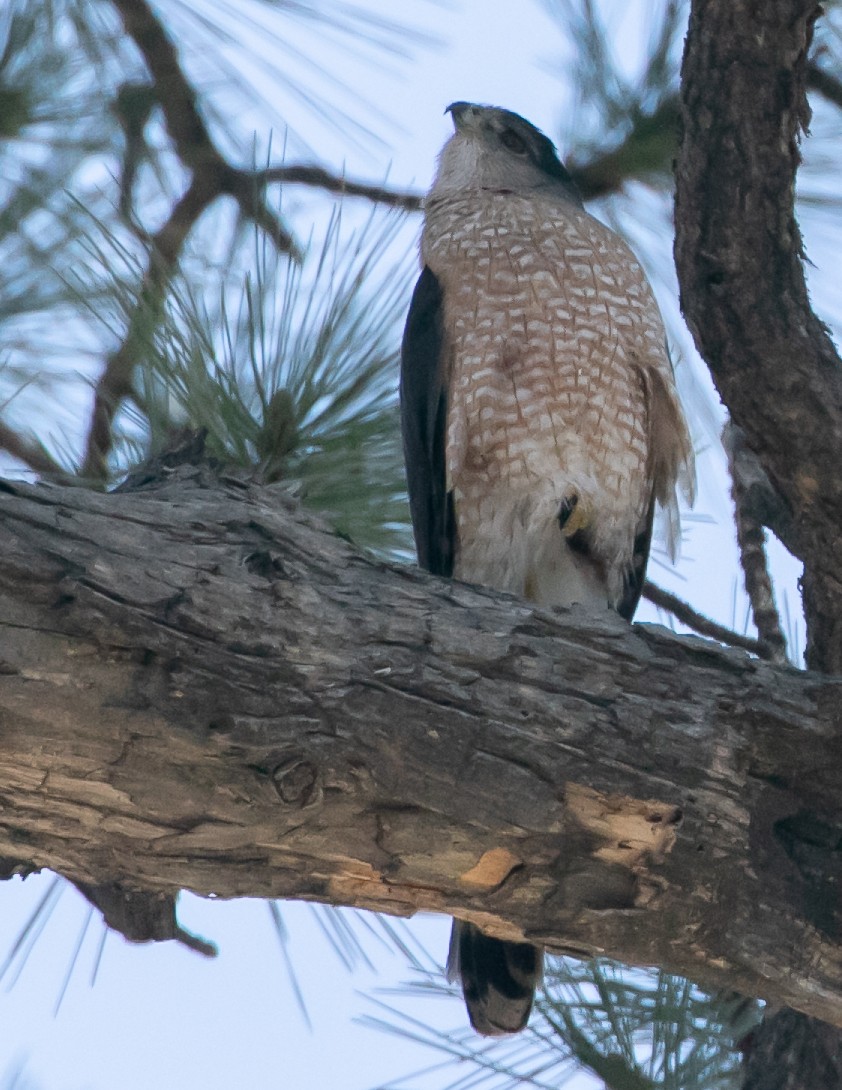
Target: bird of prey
point(540, 418)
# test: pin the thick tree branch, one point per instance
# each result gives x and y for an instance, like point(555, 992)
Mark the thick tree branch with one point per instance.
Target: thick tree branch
point(201, 688)
point(738, 252)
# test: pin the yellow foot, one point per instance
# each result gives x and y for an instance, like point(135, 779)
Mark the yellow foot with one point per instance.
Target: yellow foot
point(573, 515)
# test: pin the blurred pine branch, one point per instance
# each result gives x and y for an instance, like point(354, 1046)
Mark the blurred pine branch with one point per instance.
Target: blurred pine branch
point(633, 1029)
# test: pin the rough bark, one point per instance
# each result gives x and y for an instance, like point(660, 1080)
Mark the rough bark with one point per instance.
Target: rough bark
point(790, 1051)
point(739, 259)
point(203, 689)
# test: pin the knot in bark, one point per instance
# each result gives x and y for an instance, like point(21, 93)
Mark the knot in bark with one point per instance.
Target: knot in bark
point(297, 782)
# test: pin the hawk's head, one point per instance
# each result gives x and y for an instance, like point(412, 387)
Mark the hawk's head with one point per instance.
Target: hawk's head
point(496, 149)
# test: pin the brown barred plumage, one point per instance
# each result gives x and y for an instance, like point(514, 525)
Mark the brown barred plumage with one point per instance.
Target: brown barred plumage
point(541, 422)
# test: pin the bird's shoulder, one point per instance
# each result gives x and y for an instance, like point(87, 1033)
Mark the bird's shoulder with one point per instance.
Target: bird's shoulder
point(535, 218)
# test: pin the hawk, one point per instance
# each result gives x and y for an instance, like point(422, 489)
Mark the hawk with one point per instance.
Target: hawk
point(540, 419)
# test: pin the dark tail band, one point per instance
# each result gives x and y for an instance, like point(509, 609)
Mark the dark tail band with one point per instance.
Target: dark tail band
point(498, 978)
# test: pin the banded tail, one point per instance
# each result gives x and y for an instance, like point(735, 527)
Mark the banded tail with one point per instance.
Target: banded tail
point(498, 978)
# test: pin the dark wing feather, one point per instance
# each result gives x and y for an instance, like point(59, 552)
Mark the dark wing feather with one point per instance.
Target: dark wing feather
point(498, 978)
point(669, 450)
point(636, 575)
point(424, 426)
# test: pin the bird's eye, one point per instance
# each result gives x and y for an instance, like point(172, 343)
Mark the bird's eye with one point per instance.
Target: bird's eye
point(510, 139)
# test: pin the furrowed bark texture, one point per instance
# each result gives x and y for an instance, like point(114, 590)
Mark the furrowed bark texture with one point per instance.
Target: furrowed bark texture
point(201, 688)
point(739, 259)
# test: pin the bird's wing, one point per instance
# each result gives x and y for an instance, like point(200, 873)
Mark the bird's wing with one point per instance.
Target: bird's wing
point(424, 424)
point(636, 575)
point(670, 463)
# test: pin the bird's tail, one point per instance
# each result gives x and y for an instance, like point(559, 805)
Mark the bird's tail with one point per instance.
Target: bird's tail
point(498, 978)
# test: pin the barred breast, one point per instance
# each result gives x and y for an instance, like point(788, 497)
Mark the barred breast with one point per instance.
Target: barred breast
point(552, 333)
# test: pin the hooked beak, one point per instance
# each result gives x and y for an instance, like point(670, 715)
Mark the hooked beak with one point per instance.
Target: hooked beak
point(461, 112)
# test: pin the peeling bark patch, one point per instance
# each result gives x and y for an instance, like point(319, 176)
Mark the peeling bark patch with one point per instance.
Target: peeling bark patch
point(361, 881)
point(493, 925)
point(628, 831)
point(491, 871)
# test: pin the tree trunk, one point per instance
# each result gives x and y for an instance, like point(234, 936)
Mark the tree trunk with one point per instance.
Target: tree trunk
point(740, 266)
point(739, 260)
point(791, 1051)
